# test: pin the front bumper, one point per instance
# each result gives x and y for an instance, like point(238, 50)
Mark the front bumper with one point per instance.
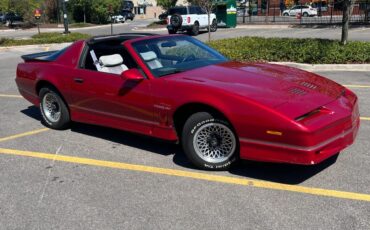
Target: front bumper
point(284, 153)
point(334, 137)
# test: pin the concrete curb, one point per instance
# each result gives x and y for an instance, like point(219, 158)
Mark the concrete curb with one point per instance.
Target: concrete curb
point(239, 26)
point(145, 29)
point(70, 28)
point(38, 46)
point(327, 67)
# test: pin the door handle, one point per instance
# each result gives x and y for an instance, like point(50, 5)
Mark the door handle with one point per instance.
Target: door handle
point(78, 80)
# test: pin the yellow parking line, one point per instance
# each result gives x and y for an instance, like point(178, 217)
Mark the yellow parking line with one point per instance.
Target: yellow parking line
point(193, 175)
point(357, 86)
point(10, 95)
point(23, 134)
point(365, 118)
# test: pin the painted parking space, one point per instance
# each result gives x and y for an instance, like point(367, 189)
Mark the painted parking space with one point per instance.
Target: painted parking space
point(188, 174)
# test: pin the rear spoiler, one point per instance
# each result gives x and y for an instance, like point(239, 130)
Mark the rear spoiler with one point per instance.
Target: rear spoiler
point(41, 57)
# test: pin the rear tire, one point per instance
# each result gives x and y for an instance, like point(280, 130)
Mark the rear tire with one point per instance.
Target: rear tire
point(209, 142)
point(285, 14)
point(195, 30)
point(54, 111)
point(305, 14)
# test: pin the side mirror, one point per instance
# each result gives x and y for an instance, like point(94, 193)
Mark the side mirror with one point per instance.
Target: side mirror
point(132, 74)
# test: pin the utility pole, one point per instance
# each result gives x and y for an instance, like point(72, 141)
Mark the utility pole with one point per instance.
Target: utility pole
point(65, 18)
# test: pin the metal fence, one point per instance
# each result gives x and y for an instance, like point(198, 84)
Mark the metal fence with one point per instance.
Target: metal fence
point(327, 14)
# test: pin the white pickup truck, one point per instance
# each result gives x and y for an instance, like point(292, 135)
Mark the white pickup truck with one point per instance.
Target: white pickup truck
point(190, 19)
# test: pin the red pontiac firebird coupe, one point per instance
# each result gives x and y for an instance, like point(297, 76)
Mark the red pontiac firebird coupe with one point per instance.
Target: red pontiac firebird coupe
point(176, 88)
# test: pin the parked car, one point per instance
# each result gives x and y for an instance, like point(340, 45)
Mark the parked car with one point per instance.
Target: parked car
point(127, 14)
point(11, 19)
point(190, 19)
point(163, 16)
point(118, 18)
point(306, 11)
point(127, 5)
point(178, 89)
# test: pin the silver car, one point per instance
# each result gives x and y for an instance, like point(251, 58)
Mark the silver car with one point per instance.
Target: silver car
point(306, 11)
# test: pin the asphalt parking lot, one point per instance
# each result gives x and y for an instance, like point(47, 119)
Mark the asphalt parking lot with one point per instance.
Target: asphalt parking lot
point(90, 177)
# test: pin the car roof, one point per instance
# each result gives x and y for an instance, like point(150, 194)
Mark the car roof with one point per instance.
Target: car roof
point(121, 37)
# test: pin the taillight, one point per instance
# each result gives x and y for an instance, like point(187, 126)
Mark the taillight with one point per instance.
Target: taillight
point(188, 20)
point(166, 21)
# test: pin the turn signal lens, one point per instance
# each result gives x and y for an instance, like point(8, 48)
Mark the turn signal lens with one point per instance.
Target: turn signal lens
point(272, 132)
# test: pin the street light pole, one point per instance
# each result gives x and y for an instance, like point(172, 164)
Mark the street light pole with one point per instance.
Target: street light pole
point(65, 18)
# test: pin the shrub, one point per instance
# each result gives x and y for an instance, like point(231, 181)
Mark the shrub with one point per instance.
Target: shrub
point(45, 38)
point(314, 51)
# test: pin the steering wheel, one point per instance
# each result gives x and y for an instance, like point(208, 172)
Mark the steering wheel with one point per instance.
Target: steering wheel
point(188, 58)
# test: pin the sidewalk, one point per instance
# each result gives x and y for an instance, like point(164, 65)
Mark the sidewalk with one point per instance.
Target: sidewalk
point(327, 67)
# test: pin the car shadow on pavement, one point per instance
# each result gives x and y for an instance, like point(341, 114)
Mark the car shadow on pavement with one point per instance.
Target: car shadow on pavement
point(126, 138)
point(273, 172)
point(32, 112)
point(280, 173)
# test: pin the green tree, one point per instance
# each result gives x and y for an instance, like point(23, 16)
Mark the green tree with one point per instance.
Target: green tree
point(208, 6)
point(25, 8)
point(99, 10)
point(166, 4)
point(51, 9)
point(80, 10)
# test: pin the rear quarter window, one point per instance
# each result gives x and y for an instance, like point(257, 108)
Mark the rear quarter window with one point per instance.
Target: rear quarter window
point(180, 10)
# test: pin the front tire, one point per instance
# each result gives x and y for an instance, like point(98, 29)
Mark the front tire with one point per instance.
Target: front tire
point(172, 31)
point(214, 26)
point(209, 142)
point(53, 109)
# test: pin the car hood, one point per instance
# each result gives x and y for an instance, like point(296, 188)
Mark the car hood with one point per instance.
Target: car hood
point(289, 90)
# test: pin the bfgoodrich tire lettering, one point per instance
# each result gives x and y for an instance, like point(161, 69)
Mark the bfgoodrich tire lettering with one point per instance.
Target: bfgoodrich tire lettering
point(209, 142)
point(53, 109)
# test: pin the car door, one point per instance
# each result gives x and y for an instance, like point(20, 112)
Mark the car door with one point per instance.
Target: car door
point(108, 99)
point(203, 17)
point(294, 11)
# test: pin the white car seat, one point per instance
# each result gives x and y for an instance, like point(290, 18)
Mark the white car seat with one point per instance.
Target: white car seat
point(112, 64)
point(151, 59)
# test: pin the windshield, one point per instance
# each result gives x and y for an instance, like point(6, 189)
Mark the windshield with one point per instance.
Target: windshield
point(176, 54)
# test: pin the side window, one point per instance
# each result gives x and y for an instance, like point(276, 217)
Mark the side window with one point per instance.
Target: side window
point(88, 63)
point(192, 10)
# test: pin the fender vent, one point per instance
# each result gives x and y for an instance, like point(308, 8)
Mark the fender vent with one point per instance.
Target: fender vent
point(308, 85)
point(297, 91)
